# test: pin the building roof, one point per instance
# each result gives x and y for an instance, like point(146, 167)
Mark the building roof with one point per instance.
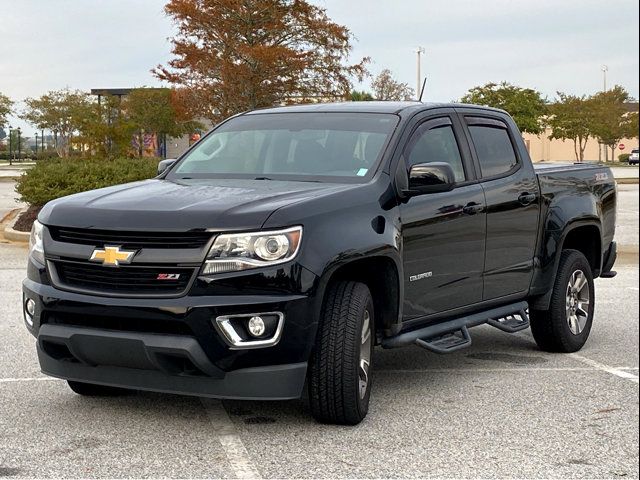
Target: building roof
point(110, 91)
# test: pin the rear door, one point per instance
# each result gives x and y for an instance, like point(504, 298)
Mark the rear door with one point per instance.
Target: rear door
point(443, 234)
point(512, 198)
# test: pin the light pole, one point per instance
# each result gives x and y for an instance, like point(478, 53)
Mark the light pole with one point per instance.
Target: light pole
point(419, 51)
point(19, 143)
point(604, 69)
point(36, 143)
point(10, 145)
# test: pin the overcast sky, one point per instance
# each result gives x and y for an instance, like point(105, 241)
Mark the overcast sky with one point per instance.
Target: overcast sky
point(548, 45)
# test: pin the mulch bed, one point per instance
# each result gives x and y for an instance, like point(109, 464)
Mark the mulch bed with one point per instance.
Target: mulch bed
point(26, 219)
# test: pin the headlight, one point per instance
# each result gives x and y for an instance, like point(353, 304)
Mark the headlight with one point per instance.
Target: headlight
point(36, 248)
point(234, 252)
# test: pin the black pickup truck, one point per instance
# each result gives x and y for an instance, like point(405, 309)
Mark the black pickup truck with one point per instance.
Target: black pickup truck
point(288, 242)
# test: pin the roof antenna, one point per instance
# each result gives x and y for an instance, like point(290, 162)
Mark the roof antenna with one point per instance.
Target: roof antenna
point(424, 84)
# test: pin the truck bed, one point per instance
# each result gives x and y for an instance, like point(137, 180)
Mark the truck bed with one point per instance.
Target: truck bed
point(547, 168)
point(587, 190)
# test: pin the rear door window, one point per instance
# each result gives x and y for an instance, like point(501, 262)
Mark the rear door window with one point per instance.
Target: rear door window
point(494, 148)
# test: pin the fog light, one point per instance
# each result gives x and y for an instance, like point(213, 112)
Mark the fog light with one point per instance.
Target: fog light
point(256, 326)
point(29, 310)
point(250, 330)
point(30, 305)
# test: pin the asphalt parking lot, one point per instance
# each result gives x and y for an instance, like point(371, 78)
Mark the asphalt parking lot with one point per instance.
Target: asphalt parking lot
point(501, 408)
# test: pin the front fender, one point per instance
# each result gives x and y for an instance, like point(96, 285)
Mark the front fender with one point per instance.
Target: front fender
point(353, 225)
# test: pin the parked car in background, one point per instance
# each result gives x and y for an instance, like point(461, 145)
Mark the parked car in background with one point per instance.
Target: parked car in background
point(634, 158)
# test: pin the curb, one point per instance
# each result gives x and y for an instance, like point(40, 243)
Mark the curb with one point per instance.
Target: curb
point(10, 233)
point(627, 181)
point(628, 249)
point(9, 179)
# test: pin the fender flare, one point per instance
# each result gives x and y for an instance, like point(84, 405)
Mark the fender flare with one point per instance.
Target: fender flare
point(542, 301)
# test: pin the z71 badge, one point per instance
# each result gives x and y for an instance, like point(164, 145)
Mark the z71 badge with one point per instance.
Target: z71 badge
point(168, 276)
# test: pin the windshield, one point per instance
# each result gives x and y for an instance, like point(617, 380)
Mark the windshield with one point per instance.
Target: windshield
point(304, 146)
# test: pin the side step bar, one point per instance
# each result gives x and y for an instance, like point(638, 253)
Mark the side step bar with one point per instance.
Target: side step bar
point(452, 335)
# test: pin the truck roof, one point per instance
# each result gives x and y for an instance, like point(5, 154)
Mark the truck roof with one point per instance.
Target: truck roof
point(367, 107)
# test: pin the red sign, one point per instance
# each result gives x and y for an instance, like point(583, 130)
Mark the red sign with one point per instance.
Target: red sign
point(621, 146)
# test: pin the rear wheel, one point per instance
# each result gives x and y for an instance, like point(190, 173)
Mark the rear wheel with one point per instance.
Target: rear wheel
point(93, 390)
point(340, 367)
point(566, 325)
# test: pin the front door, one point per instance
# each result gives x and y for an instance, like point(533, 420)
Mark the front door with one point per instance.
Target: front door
point(443, 234)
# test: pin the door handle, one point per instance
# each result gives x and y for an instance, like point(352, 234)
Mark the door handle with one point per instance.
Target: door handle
point(472, 208)
point(527, 198)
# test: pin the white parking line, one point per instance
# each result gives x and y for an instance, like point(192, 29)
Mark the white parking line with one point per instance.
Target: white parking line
point(515, 369)
point(605, 368)
point(593, 368)
point(29, 379)
point(234, 449)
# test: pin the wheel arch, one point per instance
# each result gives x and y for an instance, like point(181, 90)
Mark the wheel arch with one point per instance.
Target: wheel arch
point(381, 274)
point(583, 235)
point(587, 239)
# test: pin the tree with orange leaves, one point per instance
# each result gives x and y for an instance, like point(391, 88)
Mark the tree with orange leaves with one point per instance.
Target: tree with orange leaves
point(237, 55)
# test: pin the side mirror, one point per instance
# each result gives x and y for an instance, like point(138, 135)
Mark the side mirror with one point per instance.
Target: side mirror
point(430, 178)
point(164, 164)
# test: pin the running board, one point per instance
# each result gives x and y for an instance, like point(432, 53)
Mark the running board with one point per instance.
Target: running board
point(511, 323)
point(447, 343)
point(453, 335)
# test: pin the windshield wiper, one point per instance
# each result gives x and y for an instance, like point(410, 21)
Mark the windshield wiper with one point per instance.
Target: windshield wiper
point(263, 178)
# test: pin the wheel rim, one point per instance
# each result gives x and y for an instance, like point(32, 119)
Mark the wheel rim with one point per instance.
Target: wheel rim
point(577, 302)
point(365, 354)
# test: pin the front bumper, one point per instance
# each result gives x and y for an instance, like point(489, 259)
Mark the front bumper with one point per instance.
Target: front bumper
point(109, 358)
point(172, 344)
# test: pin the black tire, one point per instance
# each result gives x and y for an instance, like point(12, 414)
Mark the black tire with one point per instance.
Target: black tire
point(551, 328)
point(334, 370)
point(93, 390)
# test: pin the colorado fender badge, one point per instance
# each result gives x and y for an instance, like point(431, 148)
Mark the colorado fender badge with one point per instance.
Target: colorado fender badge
point(420, 276)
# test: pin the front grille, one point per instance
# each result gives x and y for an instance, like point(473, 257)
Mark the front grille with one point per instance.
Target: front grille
point(124, 280)
point(131, 240)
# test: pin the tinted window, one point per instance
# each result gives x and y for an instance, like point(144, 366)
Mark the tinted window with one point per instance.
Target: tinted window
point(435, 145)
point(290, 144)
point(494, 149)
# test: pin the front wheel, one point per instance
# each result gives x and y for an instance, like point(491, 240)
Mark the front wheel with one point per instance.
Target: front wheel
point(340, 367)
point(565, 326)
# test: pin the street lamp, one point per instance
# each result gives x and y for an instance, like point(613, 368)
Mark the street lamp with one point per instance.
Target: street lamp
point(604, 69)
point(10, 145)
point(19, 143)
point(419, 51)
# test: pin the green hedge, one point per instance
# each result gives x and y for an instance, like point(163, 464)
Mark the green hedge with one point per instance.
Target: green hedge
point(50, 179)
point(624, 157)
point(29, 156)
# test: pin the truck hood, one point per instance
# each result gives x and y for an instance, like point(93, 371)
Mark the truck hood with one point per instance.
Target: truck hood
point(181, 205)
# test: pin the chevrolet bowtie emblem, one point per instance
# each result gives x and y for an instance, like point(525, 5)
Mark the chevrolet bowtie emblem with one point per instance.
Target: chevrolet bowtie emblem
point(111, 256)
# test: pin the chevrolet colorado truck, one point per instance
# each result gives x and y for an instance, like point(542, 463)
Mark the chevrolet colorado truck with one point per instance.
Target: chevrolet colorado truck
point(288, 242)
